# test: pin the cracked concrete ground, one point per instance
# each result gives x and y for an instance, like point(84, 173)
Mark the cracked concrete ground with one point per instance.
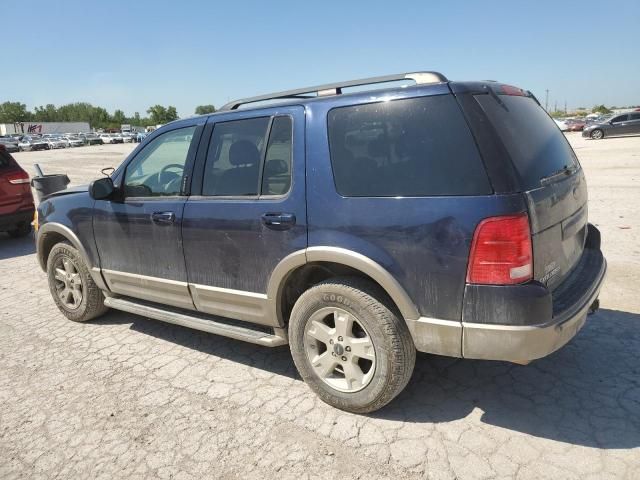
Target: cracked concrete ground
point(126, 397)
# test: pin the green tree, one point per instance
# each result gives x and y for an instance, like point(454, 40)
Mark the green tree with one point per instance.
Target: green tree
point(48, 113)
point(11, 112)
point(204, 109)
point(119, 117)
point(600, 109)
point(172, 114)
point(157, 114)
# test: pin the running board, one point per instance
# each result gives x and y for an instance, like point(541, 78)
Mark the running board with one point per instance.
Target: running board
point(205, 324)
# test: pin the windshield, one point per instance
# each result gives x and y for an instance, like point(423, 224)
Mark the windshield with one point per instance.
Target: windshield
point(536, 146)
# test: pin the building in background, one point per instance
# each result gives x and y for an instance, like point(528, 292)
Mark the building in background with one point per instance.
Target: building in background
point(32, 128)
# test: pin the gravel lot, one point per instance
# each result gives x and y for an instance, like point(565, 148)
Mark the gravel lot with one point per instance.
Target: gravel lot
point(127, 397)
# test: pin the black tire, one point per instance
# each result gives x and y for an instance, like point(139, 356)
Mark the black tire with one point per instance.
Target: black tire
point(597, 134)
point(395, 351)
point(21, 230)
point(92, 304)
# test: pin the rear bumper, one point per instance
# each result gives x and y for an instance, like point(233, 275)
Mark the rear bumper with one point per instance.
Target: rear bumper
point(522, 343)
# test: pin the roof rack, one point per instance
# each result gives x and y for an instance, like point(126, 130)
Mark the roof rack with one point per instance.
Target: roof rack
point(336, 88)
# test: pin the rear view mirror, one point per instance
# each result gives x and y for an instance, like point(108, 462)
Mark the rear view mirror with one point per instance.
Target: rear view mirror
point(102, 188)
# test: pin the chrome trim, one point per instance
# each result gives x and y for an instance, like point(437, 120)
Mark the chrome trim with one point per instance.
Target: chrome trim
point(206, 325)
point(238, 304)
point(159, 290)
point(53, 227)
point(433, 335)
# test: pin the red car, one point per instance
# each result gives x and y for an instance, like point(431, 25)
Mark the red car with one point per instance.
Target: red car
point(16, 200)
point(575, 125)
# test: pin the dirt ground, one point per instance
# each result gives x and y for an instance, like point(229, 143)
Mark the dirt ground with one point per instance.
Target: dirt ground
point(127, 397)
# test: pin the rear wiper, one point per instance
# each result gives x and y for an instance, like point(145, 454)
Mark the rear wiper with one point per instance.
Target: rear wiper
point(564, 171)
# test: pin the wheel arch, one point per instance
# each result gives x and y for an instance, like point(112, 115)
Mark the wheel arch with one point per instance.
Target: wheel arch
point(299, 267)
point(52, 233)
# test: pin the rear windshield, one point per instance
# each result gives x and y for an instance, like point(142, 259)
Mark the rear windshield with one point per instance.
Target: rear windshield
point(536, 146)
point(412, 147)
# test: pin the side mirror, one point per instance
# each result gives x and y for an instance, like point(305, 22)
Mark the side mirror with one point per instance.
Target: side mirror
point(102, 188)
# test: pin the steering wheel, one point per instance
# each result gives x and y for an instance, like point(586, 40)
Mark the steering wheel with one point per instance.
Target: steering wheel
point(167, 179)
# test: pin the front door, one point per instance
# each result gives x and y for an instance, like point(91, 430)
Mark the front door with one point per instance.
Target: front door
point(247, 210)
point(138, 234)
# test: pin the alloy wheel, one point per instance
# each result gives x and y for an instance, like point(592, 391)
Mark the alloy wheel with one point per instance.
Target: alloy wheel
point(68, 283)
point(339, 349)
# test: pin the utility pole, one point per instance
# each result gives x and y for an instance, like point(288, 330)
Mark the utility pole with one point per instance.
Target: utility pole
point(565, 107)
point(555, 108)
point(546, 100)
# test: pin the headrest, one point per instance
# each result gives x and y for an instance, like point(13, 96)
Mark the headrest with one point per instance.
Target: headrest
point(244, 152)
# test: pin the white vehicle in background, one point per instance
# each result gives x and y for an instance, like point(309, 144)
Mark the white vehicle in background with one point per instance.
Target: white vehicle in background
point(74, 141)
point(56, 142)
point(107, 138)
point(127, 137)
point(562, 125)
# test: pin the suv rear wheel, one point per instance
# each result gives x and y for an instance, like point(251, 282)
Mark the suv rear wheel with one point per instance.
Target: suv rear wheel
point(351, 348)
point(72, 288)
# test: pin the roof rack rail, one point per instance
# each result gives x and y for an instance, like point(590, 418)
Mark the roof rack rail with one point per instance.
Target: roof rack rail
point(336, 88)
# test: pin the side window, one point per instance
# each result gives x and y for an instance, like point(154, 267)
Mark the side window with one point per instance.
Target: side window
point(158, 169)
point(411, 147)
point(634, 116)
point(237, 150)
point(276, 177)
point(621, 118)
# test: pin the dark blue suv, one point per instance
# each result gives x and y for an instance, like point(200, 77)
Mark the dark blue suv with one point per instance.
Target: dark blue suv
point(357, 225)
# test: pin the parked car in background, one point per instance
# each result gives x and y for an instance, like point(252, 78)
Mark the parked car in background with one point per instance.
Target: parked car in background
point(127, 137)
point(614, 126)
point(56, 142)
point(575, 124)
point(92, 138)
point(16, 200)
point(562, 125)
point(358, 228)
point(74, 141)
point(107, 138)
point(10, 144)
point(32, 143)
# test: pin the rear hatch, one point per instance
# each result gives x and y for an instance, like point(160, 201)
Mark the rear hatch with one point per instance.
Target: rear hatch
point(549, 176)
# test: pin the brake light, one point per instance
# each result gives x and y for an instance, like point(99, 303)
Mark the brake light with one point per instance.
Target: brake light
point(501, 252)
point(511, 90)
point(18, 178)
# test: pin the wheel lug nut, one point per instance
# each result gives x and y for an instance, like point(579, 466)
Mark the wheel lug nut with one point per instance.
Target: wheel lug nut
point(331, 341)
point(348, 349)
point(334, 354)
point(339, 339)
point(344, 359)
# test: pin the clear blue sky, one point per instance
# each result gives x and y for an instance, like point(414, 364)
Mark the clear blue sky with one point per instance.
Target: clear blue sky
point(136, 53)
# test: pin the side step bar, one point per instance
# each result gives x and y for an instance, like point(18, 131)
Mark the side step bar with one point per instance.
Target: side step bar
point(192, 321)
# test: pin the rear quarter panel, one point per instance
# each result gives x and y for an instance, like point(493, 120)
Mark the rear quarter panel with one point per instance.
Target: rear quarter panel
point(423, 242)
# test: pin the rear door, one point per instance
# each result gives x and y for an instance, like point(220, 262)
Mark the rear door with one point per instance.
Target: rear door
point(247, 210)
point(549, 175)
point(634, 123)
point(621, 125)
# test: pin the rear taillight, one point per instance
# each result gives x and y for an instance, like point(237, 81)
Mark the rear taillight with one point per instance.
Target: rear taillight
point(501, 252)
point(18, 177)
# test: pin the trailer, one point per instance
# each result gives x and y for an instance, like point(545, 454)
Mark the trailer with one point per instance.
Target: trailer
point(33, 128)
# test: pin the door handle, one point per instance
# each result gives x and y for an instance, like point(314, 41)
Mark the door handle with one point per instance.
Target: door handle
point(163, 218)
point(279, 221)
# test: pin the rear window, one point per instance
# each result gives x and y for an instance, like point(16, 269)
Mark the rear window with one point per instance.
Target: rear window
point(413, 147)
point(535, 144)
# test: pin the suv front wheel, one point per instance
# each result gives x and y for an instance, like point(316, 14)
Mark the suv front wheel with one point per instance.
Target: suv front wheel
point(72, 288)
point(349, 346)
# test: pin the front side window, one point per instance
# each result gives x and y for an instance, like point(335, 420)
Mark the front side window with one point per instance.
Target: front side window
point(246, 159)
point(411, 147)
point(620, 118)
point(158, 169)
